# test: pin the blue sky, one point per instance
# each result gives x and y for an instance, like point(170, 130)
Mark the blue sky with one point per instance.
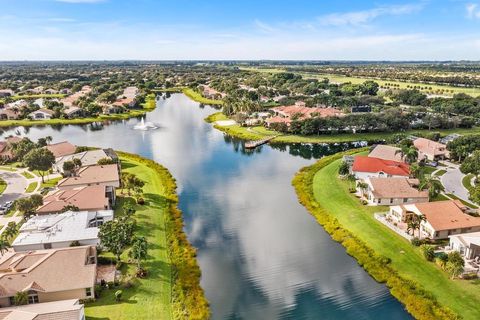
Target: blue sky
point(242, 29)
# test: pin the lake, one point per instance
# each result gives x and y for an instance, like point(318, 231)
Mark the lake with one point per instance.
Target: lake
point(262, 255)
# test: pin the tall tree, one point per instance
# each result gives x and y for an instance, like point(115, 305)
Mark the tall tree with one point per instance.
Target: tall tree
point(40, 159)
point(433, 185)
point(116, 235)
point(139, 250)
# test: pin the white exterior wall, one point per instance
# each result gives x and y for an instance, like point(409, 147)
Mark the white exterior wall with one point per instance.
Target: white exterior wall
point(55, 245)
point(363, 175)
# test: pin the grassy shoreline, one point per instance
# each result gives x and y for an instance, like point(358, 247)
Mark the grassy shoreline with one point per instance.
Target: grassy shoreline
point(425, 290)
point(195, 96)
point(260, 132)
point(149, 105)
point(171, 251)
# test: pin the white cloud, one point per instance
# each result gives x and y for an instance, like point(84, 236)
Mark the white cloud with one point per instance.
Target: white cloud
point(365, 16)
point(472, 11)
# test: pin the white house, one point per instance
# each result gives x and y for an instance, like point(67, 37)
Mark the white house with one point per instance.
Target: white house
point(468, 244)
point(42, 114)
point(88, 158)
point(60, 230)
point(393, 191)
point(365, 167)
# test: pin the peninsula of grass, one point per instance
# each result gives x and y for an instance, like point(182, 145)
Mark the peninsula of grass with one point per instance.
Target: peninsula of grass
point(3, 185)
point(149, 105)
point(260, 132)
point(27, 175)
point(196, 96)
point(50, 183)
point(440, 173)
point(31, 187)
point(467, 181)
point(172, 288)
point(425, 290)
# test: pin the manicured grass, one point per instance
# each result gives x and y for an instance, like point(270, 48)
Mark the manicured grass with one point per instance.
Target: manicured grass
point(27, 175)
point(38, 96)
point(440, 197)
point(50, 183)
point(194, 95)
point(156, 296)
point(31, 187)
point(357, 80)
point(7, 168)
point(440, 173)
point(216, 117)
point(3, 185)
point(332, 194)
point(149, 298)
point(429, 170)
point(467, 181)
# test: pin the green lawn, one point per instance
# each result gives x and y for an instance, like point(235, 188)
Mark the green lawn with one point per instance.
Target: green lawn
point(27, 175)
point(31, 187)
point(150, 297)
point(332, 194)
point(8, 168)
point(467, 181)
point(51, 183)
point(194, 95)
point(440, 173)
point(3, 185)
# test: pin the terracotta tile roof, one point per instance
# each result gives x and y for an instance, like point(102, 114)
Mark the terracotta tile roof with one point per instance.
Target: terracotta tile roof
point(307, 112)
point(386, 153)
point(445, 215)
point(430, 147)
point(374, 165)
point(91, 175)
point(61, 149)
point(89, 198)
point(395, 188)
point(51, 270)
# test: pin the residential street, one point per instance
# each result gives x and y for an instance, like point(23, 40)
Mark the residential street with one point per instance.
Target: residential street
point(16, 185)
point(452, 181)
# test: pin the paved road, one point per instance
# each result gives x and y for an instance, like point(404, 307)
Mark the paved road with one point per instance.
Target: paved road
point(16, 185)
point(452, 181)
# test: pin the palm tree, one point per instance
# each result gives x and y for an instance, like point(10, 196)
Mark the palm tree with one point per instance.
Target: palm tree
point(363, 186)
point(433, 185)
point(4, 245)
point(48, 139)
point(408, 153)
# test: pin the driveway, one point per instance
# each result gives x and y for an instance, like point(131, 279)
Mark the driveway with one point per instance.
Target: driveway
point(452, 181)
point(16, 185)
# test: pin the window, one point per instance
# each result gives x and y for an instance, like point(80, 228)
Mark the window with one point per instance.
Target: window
point(88, 292)
point(47, 246)
point(405, 200)
point(32, 297)
point(391, 200)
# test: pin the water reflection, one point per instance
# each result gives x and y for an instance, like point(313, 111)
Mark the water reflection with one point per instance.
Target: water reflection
point(262, 255)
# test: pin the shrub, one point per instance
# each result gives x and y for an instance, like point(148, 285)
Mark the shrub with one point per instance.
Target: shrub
point(416, 242)
point(118, 295)
point(428, 252)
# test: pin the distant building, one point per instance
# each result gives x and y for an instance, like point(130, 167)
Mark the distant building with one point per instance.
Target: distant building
point(393, 191)
point(88, 158)
point(60, 230)
point(6, 93)
point(61, 149)
point(431, 150)
point(361, 109)
point(42, 114)
point(90, 198)
point(57, 310)
point(285, 114)
point(386, 152)
point(366, 167)
point(48, 275)
point(74, 112)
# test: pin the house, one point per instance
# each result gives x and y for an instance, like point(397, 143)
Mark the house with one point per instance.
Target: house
point(128, 98)
point(467, 244)
point(74, 112)
point(361, 109)
point(442, 218)
point(364, 167)
point(71, 100)
point(48, 275)
point(10, 114)
point(99, 175)
point(60, 230)
point(431, 150)
point(64, 309)
point(393, 191)
point(41, 114)
point(6, 93)
point(210, 93)
point(62, 149)
point(113, 109)
point(385, 152)
point(91, 198)
point(286, 114)
point(88, 158)
point(50, 91)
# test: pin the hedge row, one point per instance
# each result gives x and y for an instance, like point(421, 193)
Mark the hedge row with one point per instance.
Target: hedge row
point(418, 302)
point(188, 299)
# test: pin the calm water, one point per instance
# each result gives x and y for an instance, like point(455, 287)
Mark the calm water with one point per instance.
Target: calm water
point(262, 255)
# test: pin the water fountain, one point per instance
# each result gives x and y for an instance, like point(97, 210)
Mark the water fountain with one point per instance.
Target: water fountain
point(145, 126)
